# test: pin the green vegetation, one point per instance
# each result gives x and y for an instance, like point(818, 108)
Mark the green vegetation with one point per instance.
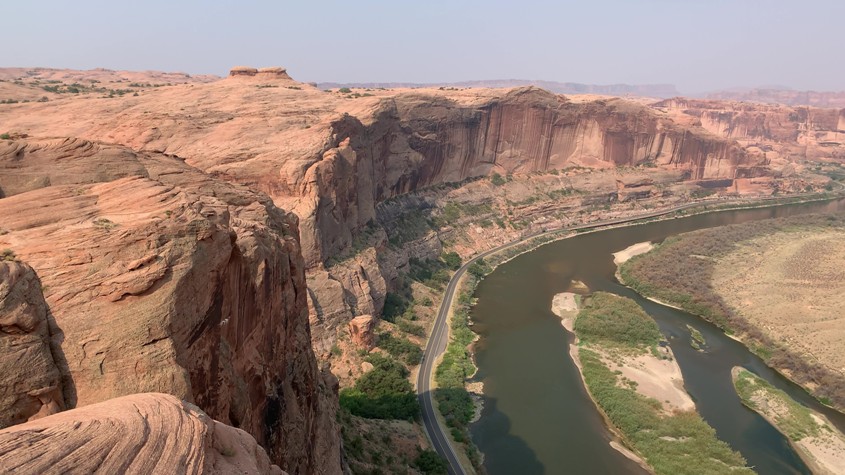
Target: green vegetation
point(677, 443)
point(796, 421)
point(104, 223)
point(497, 179)
point(479, 269)
point(5, 136)
point(610, 320)
point(382, 393)
point(429, 462)
point(394, 305)
point(680, 272)
point(409, 227)
point(8, 255)
point(400, 348)
point(452, 213)
point(410, 328)
point(344, 90)
point(430, 272)
point(452, 260)
point(453, 400)
point(696, 338)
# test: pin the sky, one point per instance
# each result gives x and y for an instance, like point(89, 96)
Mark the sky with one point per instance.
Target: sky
point(697, 45)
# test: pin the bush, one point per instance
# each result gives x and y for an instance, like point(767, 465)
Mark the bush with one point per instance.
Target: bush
point(452, 260)
point(429, 462)
point(5, 136)
point(400, 348)
point(411, 328)
point(382, 393)
point(344, 90)
point(497, 179)
point(394, 305)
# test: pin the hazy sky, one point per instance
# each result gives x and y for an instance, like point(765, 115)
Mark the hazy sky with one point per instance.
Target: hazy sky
point(698, 45)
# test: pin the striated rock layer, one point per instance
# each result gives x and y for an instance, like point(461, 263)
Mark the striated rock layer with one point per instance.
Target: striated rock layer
point(137, 434)
point(162, 279)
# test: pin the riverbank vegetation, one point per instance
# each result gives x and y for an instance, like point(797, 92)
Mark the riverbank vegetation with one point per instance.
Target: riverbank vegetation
point(453, 400)
point(680, 272)
point(818, 443)
point(679, 442)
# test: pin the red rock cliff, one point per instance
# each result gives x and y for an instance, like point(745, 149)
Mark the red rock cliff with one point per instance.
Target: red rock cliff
point(162, 279)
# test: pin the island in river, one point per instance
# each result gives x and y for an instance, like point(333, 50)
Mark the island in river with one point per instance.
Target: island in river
point(631, 375)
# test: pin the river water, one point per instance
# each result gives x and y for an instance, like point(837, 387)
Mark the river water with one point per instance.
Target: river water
point(537, 417)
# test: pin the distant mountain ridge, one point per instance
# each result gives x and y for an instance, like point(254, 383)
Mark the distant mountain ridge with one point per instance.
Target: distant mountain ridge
point(662, 91)
point(789, 97)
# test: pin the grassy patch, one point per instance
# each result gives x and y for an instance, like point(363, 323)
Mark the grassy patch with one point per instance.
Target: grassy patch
point(792, 418)
point(610, 320)
point(400, 348)
point(696, 339)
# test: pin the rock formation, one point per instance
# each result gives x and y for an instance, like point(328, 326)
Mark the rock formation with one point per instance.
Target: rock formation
point(171, 281)
point(32, 386)
point(136, 434)
point(361, 331)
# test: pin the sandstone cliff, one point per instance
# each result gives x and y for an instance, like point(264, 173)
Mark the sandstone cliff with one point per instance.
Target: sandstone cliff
point(137, 434)
point(162, 279)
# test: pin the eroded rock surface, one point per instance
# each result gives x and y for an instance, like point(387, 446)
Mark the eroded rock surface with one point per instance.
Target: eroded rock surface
point(136, 434)
point(31, 385)
point(163, 279)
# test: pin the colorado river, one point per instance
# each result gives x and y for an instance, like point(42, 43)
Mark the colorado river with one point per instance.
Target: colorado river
point(537, 416)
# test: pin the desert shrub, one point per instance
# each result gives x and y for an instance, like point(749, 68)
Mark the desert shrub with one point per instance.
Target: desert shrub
point(344, 90)
point(497, 179)
point(394, 305)
point(410, 328)
point(382, 393)
point(429, 463)
point(452, 260)
point(400, 348)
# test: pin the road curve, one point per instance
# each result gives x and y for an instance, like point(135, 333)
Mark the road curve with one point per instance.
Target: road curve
point(440, 332)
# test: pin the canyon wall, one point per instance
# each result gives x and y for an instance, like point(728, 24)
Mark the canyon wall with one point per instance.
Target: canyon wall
point(416, 140)
point(782, 132)
point(158, 278)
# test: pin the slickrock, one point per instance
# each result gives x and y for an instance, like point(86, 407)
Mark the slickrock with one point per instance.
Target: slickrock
point(361, 330)
point(163, 279)
point(136, 434)
point(31, 383)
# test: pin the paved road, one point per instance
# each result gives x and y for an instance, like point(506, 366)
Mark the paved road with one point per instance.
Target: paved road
point(440, 332)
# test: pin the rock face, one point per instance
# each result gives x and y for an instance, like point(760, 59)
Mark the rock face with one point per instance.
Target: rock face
point(361, 331)
point(784, 96)
point(137, 434)
point(163, 279)
point(777, 131)
point(31, 386)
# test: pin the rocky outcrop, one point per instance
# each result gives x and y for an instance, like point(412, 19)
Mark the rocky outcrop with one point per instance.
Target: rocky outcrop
point(260, 73)
point(163, 279)
point(137, 434)
point(31, 385)
point(361, 330)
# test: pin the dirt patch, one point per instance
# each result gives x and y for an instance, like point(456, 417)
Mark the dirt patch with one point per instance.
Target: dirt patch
point(792, 286)
point(634, 250)
point(659, 378)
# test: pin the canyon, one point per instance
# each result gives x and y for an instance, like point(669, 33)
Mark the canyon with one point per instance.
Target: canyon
point(212, 239)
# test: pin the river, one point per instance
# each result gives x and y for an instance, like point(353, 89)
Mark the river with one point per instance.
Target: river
point(537, 417)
